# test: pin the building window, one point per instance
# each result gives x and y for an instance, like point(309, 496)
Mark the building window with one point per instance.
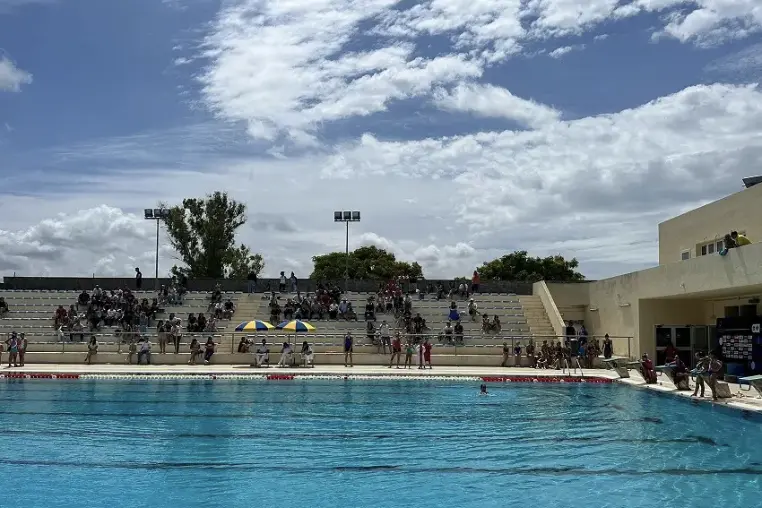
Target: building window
point(703, 250)
point(710, 248)
point(720, 245)
point(684, 255)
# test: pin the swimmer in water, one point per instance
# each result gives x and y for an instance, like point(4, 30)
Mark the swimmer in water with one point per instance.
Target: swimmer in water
point(483, 390)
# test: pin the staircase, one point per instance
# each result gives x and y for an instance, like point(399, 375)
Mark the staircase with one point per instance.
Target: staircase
point(537, 318)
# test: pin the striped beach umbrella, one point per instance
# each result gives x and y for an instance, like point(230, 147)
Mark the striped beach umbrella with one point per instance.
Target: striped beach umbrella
point(254, 326)
point(295, 325)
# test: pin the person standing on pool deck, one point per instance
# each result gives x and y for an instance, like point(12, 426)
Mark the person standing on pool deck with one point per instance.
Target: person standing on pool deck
point(396, 350)
point(23, 344)
point(608, 347)
point(714, 370)
point(426, 354)
point(13, 349)
point(409, 350)
point(348, 343)
point(702, 362)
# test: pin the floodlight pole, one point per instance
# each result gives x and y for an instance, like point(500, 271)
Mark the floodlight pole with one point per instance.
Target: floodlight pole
point(156, 283)
point(346, 259)
point(346, 217)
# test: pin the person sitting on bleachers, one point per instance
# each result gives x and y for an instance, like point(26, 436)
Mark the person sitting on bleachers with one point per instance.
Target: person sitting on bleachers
point(370, 312)
point(333, 311)
point(98, 295)
point(60, 317)
point(195, 351)
point(453, 315)
point(243, 345)
point(228, 309)
point(350, 314)
point(110, 318)
point(343, 307)
point(208, 350)
point(274, 311)
point(192, 327)
point(530, 354)
point(473, 309)
point(288, 310)
point(263, 355)
point(407, 306)
point(446, 335)
point(286, 355)
point(463, 290)
point(308, 356)
point(458, 330)
point(496, 326)
point(83, 299)
point(201, 322)
point(3, 307)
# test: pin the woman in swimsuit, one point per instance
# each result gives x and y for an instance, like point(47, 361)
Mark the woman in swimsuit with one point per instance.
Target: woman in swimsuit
point(23, 344)
point(426, 354)
point(348, 342)
point(396, 350)
point(13, 350)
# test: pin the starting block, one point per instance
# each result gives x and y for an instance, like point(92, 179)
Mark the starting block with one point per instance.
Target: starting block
point(670, 373)
point(754, 381)
point(618, 364)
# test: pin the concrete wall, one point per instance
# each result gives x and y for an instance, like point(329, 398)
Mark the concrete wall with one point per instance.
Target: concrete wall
point(88, 283)
point(554, 316)
point(572, 299)
point(738, 212)
point(675, 293)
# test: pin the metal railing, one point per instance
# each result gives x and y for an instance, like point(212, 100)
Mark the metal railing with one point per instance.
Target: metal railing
point(622, 346)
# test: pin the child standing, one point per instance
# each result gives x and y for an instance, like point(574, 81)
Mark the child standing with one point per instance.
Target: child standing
point(409, 350)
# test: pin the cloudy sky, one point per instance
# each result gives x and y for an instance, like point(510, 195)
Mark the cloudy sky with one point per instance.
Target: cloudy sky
point(461, 129)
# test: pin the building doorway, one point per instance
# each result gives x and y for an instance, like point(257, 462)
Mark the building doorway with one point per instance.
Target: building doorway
point(687, 339)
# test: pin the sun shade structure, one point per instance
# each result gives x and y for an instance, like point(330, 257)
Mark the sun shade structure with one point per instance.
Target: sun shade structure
point(254, 326)
point(295, 325)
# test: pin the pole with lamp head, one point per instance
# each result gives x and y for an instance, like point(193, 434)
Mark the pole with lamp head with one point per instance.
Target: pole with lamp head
point(346, 217)
point(157, 214)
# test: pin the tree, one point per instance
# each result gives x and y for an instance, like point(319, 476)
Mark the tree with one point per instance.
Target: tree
point(202, 231)
point(520, 267)
point(368, 263)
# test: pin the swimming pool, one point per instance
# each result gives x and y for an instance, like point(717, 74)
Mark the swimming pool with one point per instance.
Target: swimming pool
point(352, 444)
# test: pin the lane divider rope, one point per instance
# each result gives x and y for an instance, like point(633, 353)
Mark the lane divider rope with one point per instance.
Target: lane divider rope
point(307, 377)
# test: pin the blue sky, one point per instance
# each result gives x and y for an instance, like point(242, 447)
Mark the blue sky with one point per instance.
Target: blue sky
point(462, 129)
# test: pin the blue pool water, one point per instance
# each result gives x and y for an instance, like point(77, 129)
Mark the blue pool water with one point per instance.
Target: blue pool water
point(383, 444)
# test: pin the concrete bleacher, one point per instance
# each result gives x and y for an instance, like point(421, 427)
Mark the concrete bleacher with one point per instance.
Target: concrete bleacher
point(32, 312)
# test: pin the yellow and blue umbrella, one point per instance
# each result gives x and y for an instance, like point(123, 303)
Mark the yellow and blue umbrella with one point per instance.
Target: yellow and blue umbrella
point(295, 325)
point(254, 326)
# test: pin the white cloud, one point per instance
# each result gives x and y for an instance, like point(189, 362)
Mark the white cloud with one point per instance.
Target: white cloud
point(592, 188)
point(493, 101)
point(563, 50)
point(7, 5)
point(11, 77)
point(277, 66)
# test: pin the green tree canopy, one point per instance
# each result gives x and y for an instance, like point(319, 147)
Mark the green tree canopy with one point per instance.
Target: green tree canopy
point(202, 231)
point(364, 263)
point(519, 266)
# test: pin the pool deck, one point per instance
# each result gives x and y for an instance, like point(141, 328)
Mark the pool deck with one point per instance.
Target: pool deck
point(741, 400)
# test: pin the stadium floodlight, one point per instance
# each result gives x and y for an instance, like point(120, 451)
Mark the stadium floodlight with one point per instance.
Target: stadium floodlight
point(157, 214)
point(346, 216)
